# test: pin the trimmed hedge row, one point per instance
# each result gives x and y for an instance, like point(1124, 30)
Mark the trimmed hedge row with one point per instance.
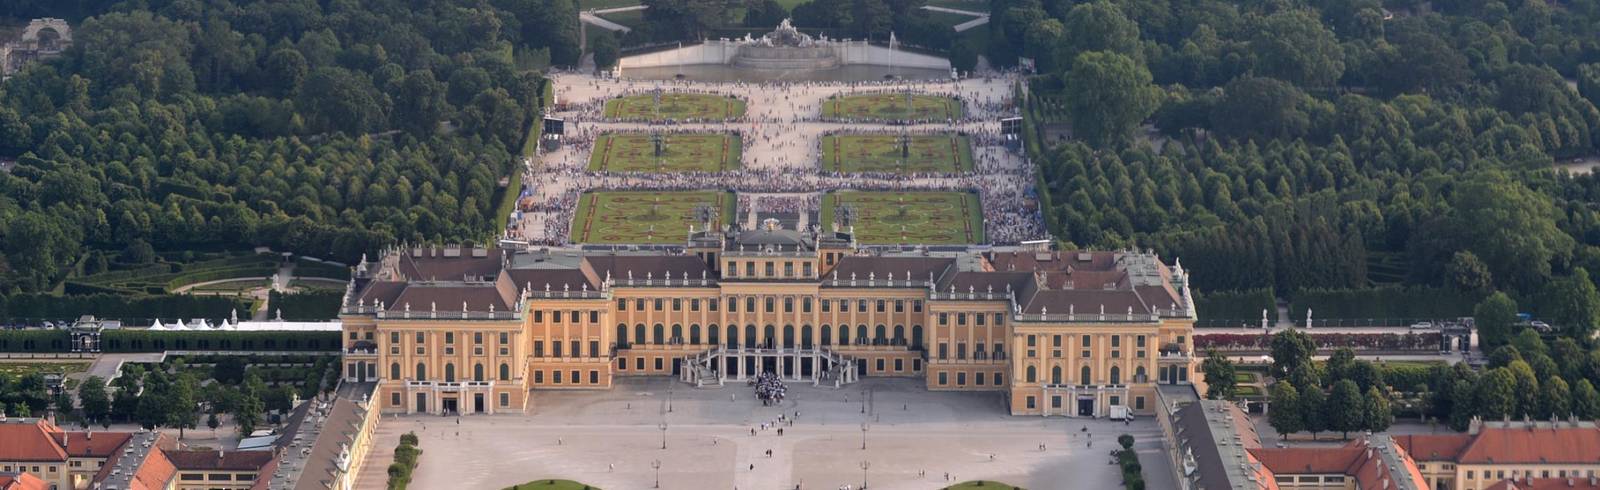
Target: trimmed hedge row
point(35, 341)
point(405, 461)
point(1383, 302)
point(47, 306)
point(1237, 306)
point(147, 341)
point(311, 305)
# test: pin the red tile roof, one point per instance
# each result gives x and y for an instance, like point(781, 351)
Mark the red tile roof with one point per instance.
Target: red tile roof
point(1544, 443)
point(1429, 447)
point(30, 441)
point(90, 444)
point(1298, 460)
point(219, 460)
point(22, 481)
point(154, 473)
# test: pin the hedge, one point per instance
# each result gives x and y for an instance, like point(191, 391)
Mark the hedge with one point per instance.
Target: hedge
point(405, 461)
point(205, 275)
point(311, 305)
point(1234, 307)
point(35, 341)
point(39, 306)
point(148, 341)
point(1383, 302)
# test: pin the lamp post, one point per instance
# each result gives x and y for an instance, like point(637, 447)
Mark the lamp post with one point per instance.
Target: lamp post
point(864, 466)
point(863, 436)
point(663, 428)
point(656, 465)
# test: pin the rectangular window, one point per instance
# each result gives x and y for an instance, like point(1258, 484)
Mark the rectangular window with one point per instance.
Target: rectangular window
point(677, 304)
point(594, 348)
point(555, 376)
point(961, 318)
point(421, 339)
point(1055, 341)
point(827, 306)
point(477, 338)
point(574, 351)
point(788, 304)
point(750, 304)
point(805, 269)
point(594, 316)
point(899, 306)
point(1055, 402)
point(1086, 341)
point(505, 338)
point(1031, 403)
point(622, 305)
point(999, 319)
point(769, 269)
point(899, 365)
point(505, 399)
point(978, 378)
point(711, 304)
point(844, 306)
point(961, 379)
point(658, 363)
point(555, 348)
point(694, 305)
point(538, 316)
point(622, 364)
point(916, 306)
point(575, 379)
point(555, 316)
point(538, 377)
point(961, 350)
point(861, 306)
point(638, 363)
point(978, 319)
point(538, 348)
point(881, 305)
point(770, 302)
point(944, 318)
point(394, 399)
point(944, 351)
point(594, 377)
point(574, 317)
point(750, 269)
point(1116, 341)
point(1138, 341)
point(733, 305)
point(944, 379)
point(394, 337)
point(1138, 403)
point(805, 304)
point(660, 304)
point(1032, 341)
point(998, 380)
point(788, 269)
point(880, 365)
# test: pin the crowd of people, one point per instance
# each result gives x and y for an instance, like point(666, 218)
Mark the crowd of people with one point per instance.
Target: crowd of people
point(769, 388)
point(781, 143)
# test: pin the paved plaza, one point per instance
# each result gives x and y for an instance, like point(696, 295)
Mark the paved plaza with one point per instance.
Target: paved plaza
point(609, 439)
point(780, 167)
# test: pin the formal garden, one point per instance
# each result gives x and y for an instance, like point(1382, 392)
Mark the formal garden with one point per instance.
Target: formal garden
point(678, 152)
point(674, 106)
point(926, 218)
point(892, 153)
point(889, 107)
point(552, 485)
point(645, 217)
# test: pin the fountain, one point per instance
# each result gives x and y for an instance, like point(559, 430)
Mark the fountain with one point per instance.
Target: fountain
point(785, 54)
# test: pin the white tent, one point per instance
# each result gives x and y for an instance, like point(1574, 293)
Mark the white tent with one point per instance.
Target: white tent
point(157, 327)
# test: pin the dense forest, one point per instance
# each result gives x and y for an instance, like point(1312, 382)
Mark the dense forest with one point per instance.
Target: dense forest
point(1330, 144)
point(321, 127)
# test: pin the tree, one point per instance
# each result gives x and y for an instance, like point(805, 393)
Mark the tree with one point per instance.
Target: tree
point(229, 370)
point(288, 69)
point(689, 18)
point(1375, 412)
point(336, 99)
point(1527, 384)
point(1467, 273)
point(1497, 394)
point(1585, 400)
point(1344, 408)
point(1572, 303)
point(212, 422)
point(1557, 398)
point(1340, 364)
point(1107, 96)
point(1314, 409)
point(1509, 226)
point(1495, 318)
point(92, 396)
point(182, 403)
point(1291, 348)
point(1098, 26)
point(247, 413)
point(1260, 108)
point(607, 51)
point(765, 13)
point(1219, 372)
point(963, 56)
point(1287, 414)
point(420, 104)
point(1292, 45)
point(872, 18)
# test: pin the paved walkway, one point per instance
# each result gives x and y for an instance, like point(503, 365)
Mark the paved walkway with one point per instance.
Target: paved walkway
point(981, 17)
point(590, 17)
point(610, 438)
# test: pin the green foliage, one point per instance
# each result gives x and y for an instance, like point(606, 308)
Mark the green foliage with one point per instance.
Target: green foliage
point(147, 341)
point(1384, 302)
point(1219, 376)
point(1237, 307)
point(1495, 317)
point(405, 461)
point(35, 341)
point(308, 305)
point(1572, 303)
point(1108, 95)
point(1287, 415)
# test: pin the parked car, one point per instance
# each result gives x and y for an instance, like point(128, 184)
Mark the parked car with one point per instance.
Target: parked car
point(1540, 327)
point(1422, 326)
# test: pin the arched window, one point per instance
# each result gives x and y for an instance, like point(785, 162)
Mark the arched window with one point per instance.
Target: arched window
point(880, 336)
point(394, 371)
point(694, 334)
point(638, 334)
point(622, 334)
point(916, 337)
point(505, 372)
point(827, 335)
point(449, 372)
point(661, 333)
point(422, 372)
point(677, 333)
point(900, 334)
point(788, 336)
point(1083, 376)
point(477, 372)
point(769, 337)
point(1116, 375)
point(862, 335)
point(733, 336)
point(711, 334)
point(1055, 375)
point(844, 335)
point(750, 336)
point(805, 336)
point(1139, 375)
point(1033, 374)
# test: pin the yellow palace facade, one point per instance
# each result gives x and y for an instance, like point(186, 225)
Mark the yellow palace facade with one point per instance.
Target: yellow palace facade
point(480, 330)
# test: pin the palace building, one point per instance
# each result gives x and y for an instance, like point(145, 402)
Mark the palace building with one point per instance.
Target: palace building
point(461, 329)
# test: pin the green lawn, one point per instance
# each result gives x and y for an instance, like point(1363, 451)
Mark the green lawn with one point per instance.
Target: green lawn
point(982, 485)
point(1239, 377)
point(1250, 391)
point(943, 153)
point(644, 217)
point(674, 107)
point(635, 152)
point(926, 218)
point(16, 370)
point(607, 4)
point(551, 485)
point(232, 286)
point(882, 107)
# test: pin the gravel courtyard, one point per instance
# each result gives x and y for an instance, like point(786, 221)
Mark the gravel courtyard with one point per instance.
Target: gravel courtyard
point(610, 438)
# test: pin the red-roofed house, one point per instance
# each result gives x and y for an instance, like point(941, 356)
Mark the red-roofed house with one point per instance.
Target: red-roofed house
point(22, 481)
point(1492, 452)
point(1569, 483)
point(63, 459)
point(1376, 462)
